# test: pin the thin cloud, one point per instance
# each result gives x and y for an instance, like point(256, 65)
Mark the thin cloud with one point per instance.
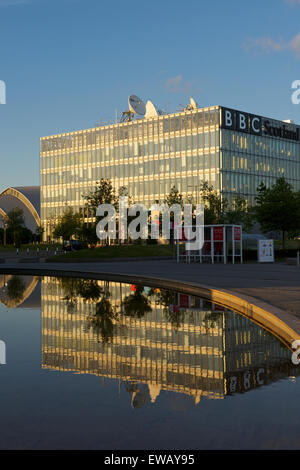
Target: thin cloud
point(267, 45)
point(178, 85)
point(293, 2)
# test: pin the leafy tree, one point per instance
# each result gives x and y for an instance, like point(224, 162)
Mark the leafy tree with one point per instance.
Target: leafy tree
point(87, 233)
point(39, 233)
point(277, 208)
point(240, 214)
point(68, 225)
point(103, 193)
point(215, 205)
point(174, 197)
point(15, 224)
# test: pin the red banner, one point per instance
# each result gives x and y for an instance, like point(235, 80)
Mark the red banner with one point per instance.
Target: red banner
point(218, 233)
point(237, 234)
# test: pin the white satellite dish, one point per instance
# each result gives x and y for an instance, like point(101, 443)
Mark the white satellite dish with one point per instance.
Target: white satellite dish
point(193, 104)
point(151, 110)
point(136, 105)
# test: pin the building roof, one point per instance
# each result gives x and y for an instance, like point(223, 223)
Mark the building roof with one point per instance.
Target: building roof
point(25, 197)
point(32, 193)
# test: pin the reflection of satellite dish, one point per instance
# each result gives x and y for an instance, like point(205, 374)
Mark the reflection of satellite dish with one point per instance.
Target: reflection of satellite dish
point(136, 105)
point(151, 110)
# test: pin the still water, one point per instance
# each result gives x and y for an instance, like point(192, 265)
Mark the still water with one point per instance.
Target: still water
point(105, 365)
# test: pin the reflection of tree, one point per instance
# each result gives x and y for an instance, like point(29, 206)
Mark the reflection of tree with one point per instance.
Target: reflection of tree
point(211, 319)
point(89, 290)
point(166, 298)
point(70, 287)
point(102, 321)
point(175, 318)
point(136, 304)
point(15, 289)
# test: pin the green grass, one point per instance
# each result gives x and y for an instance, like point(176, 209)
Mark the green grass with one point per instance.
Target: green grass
point(107, 252)
point(289, 244)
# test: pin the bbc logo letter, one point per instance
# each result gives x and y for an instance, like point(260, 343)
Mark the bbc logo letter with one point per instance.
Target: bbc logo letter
point(2, 352)
point(2, 92)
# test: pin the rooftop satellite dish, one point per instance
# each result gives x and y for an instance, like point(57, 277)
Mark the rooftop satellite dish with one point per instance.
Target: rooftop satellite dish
point(151, 110)
point(136, 105)
point(193, 104)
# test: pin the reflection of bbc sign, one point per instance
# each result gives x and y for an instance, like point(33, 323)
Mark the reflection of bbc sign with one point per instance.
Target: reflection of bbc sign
point(241, 122)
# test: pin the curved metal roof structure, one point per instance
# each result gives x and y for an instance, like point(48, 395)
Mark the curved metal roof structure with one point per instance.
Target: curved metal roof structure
point(3, 214)
point(26, 198)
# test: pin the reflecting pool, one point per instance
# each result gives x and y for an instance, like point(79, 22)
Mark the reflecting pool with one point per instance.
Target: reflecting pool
point(106, 365)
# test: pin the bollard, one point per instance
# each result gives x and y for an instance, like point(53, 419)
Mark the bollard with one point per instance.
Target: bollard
point(27, 250)
point(298, 259)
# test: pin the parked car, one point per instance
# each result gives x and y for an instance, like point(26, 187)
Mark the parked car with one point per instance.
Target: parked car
point(72, 245)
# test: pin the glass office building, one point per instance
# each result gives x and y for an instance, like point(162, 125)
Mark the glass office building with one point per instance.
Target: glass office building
point(231, 150)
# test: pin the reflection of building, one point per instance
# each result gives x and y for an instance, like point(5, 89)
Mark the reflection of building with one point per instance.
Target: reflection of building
point(232, 151)
point(205, 355)
point(26, 198)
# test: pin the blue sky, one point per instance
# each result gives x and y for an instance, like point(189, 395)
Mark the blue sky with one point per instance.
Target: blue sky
point(69, 63)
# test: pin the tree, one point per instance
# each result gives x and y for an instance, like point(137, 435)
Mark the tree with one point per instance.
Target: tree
point(215, 205)
point(174, 197)
point(103, 193)
point(277, 208)
point(39, 231)
point(15, 224)
point(240, 214)
point(68, 225)
point(87, 233)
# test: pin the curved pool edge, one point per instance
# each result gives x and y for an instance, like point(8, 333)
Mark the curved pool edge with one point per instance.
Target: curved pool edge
point(285, 326)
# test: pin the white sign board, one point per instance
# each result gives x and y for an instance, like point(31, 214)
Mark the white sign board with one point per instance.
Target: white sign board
point(265, 251)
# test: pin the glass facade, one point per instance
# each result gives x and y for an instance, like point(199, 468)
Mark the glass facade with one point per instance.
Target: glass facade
point(149, 156)
point(247, 160)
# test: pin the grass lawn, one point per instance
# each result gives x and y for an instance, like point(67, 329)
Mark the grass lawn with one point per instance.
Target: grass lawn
point(129, 251)
point(289, 244)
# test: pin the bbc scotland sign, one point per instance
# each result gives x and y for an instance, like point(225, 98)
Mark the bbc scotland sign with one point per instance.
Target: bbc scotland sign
point(257, 125)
